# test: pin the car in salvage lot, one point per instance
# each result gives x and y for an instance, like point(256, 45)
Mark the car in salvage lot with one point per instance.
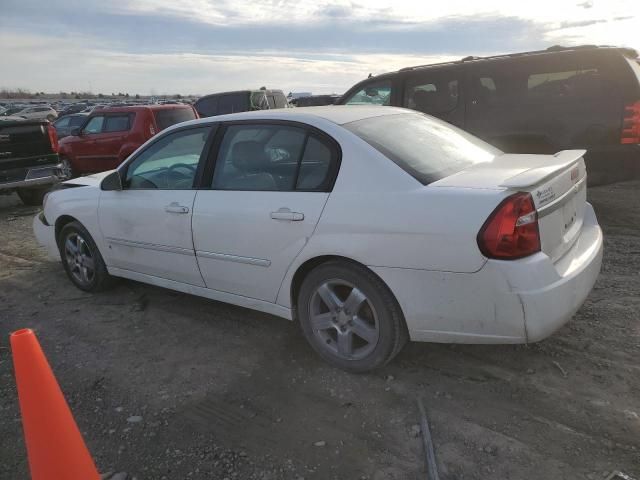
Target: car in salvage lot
point(28, 158)
point(584, 97)
point(376, 225)
point(109, 135)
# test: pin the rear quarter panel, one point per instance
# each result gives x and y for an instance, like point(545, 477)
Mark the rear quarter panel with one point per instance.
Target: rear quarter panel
point(380, 216)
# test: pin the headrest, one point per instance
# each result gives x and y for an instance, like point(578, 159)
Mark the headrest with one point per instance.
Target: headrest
point(249, 156)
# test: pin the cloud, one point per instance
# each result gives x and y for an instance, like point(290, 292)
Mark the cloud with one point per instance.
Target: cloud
point(200, 46)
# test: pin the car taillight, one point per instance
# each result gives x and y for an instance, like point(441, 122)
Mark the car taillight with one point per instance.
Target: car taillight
point(53, 137)
point(631, 124)
point(511, 231)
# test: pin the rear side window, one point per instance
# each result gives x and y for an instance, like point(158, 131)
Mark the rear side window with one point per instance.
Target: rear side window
point(167, 117)
point(266, 157)
point(237, 102)
point(565, 83)
point(207, 107)
point(119, 123)
point(426, 148)
point(377, 93)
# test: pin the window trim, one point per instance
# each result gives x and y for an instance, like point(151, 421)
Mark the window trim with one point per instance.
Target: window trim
point(204, 156)
point(322, 136)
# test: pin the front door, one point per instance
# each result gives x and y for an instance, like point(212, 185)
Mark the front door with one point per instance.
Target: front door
point(147, 225)
point(270, 184)
point(109, 141)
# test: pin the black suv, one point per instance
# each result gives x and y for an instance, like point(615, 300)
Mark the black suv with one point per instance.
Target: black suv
point(533, 102)
point(240, 101)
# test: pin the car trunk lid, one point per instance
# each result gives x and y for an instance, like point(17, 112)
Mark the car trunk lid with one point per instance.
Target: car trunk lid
point(557, 184)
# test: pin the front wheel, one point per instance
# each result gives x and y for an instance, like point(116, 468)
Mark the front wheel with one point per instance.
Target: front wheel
point(82, 260)
point(350, 317)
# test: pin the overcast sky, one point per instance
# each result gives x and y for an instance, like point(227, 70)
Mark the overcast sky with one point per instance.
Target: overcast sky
point(204, 46)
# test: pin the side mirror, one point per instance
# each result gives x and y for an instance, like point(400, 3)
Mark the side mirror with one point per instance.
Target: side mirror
point(76, 132)
point(111, 182)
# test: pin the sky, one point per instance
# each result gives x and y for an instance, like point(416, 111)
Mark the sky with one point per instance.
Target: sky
point(203, 46)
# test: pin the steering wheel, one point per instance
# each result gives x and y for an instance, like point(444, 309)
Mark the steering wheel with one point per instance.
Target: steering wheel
point(179, 179)
point(175, 166)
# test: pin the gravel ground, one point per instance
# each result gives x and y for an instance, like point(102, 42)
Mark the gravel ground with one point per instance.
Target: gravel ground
point(168, 386)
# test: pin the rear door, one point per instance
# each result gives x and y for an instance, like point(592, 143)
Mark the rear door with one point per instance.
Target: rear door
point(147, 225)
point(270, 184)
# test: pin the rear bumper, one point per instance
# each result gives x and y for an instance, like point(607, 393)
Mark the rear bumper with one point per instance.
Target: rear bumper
point(36, 176)
point(46, 236)
point(505, 301)
point(548, 303)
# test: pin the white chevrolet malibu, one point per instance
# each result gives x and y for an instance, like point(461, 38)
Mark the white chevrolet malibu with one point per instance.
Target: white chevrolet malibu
point(367, 225)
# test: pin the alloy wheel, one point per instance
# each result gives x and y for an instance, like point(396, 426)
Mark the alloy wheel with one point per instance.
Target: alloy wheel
point(79, 259)
point(344, 320)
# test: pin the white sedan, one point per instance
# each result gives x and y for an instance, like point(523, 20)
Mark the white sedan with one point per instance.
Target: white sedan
point(367, 225)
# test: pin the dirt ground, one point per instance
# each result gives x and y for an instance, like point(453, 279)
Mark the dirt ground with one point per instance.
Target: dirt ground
point(169, 386)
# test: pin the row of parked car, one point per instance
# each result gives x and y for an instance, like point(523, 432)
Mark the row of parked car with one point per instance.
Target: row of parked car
point(534, 102)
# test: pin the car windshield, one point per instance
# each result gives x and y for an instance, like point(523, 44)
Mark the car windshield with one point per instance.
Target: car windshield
point(426, 148)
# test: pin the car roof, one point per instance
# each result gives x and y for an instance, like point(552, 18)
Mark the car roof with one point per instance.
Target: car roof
point(339, 115)
point(140, 108)
point(240, 91)
point(556, 49)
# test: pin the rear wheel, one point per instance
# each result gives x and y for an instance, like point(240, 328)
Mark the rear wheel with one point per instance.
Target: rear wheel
point(82, 260)
point(32, 196)
point(350, 317)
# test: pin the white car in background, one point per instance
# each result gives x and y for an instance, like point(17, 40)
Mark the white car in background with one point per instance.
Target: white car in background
point(368, 225)
point(38, 112)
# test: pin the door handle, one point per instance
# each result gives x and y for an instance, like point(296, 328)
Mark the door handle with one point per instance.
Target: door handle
point(174, 207)
point(286, 214)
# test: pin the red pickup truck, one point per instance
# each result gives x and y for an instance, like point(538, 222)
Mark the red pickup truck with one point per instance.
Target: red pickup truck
point(110, 135)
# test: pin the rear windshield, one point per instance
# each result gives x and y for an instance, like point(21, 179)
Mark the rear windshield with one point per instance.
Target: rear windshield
point(426, 148)
point(168, 117)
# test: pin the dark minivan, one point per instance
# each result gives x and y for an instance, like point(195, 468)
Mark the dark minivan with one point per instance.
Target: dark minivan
point(533, 102)
point(240, 101)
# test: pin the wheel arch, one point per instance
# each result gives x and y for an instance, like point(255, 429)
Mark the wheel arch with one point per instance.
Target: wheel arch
point(310, 264)
point(60, 223)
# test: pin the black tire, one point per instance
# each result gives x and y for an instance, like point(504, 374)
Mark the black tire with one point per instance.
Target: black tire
point(32, 196)
point(380, 307)
point(99, 279)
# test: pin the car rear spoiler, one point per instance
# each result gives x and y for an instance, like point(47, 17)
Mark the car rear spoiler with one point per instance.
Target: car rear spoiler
point(540, 172)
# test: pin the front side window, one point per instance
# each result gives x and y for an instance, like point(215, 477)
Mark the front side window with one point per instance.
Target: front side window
point(76, 121)
point(426, 148)
point(272, 158)
point(63, 122)
point(373, 94)
point(169, 163)
point(119, 123)
point(94, 125)
point(432, 95)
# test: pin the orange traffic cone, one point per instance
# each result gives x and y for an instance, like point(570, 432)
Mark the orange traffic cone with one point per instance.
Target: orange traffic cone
point(55, 447)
